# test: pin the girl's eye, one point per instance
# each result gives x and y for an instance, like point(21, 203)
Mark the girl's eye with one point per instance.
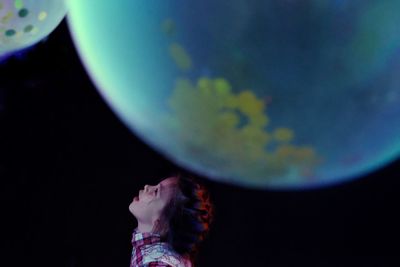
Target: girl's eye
point(158, 191)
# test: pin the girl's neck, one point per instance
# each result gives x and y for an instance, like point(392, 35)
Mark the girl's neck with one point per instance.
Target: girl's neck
point(144, 228)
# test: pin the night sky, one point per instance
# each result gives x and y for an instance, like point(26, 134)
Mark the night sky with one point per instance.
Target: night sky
point(69, 170)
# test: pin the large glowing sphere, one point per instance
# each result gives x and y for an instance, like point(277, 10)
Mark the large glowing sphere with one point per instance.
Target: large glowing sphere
point(262, 94)
point(25, 22)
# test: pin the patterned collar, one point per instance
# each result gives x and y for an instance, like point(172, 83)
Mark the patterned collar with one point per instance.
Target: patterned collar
point(139, 239)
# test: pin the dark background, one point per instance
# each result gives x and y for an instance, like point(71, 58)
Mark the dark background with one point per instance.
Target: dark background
point(69, 170)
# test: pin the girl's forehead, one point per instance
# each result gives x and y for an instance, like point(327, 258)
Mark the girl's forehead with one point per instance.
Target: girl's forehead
point(170, 181)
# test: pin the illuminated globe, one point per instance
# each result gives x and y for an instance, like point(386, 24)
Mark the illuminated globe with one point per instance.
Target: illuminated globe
point(261, 94)
point(25, 22)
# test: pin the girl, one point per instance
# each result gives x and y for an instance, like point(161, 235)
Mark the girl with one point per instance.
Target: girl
point(173, 217)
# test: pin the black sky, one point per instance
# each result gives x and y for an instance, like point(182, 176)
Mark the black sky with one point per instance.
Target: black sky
point(69, 169)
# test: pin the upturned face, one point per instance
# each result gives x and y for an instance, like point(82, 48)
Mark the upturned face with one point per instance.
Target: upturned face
point(148, 205)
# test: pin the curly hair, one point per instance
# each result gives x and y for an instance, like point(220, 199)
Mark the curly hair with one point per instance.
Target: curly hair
point(186, 220)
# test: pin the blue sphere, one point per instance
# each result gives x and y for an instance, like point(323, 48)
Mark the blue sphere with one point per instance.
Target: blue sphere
point(261, 94)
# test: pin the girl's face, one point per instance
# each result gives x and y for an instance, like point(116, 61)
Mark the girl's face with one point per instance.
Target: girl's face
point(151, 201)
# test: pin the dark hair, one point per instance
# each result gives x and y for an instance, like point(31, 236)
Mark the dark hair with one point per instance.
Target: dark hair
point(187, 217)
